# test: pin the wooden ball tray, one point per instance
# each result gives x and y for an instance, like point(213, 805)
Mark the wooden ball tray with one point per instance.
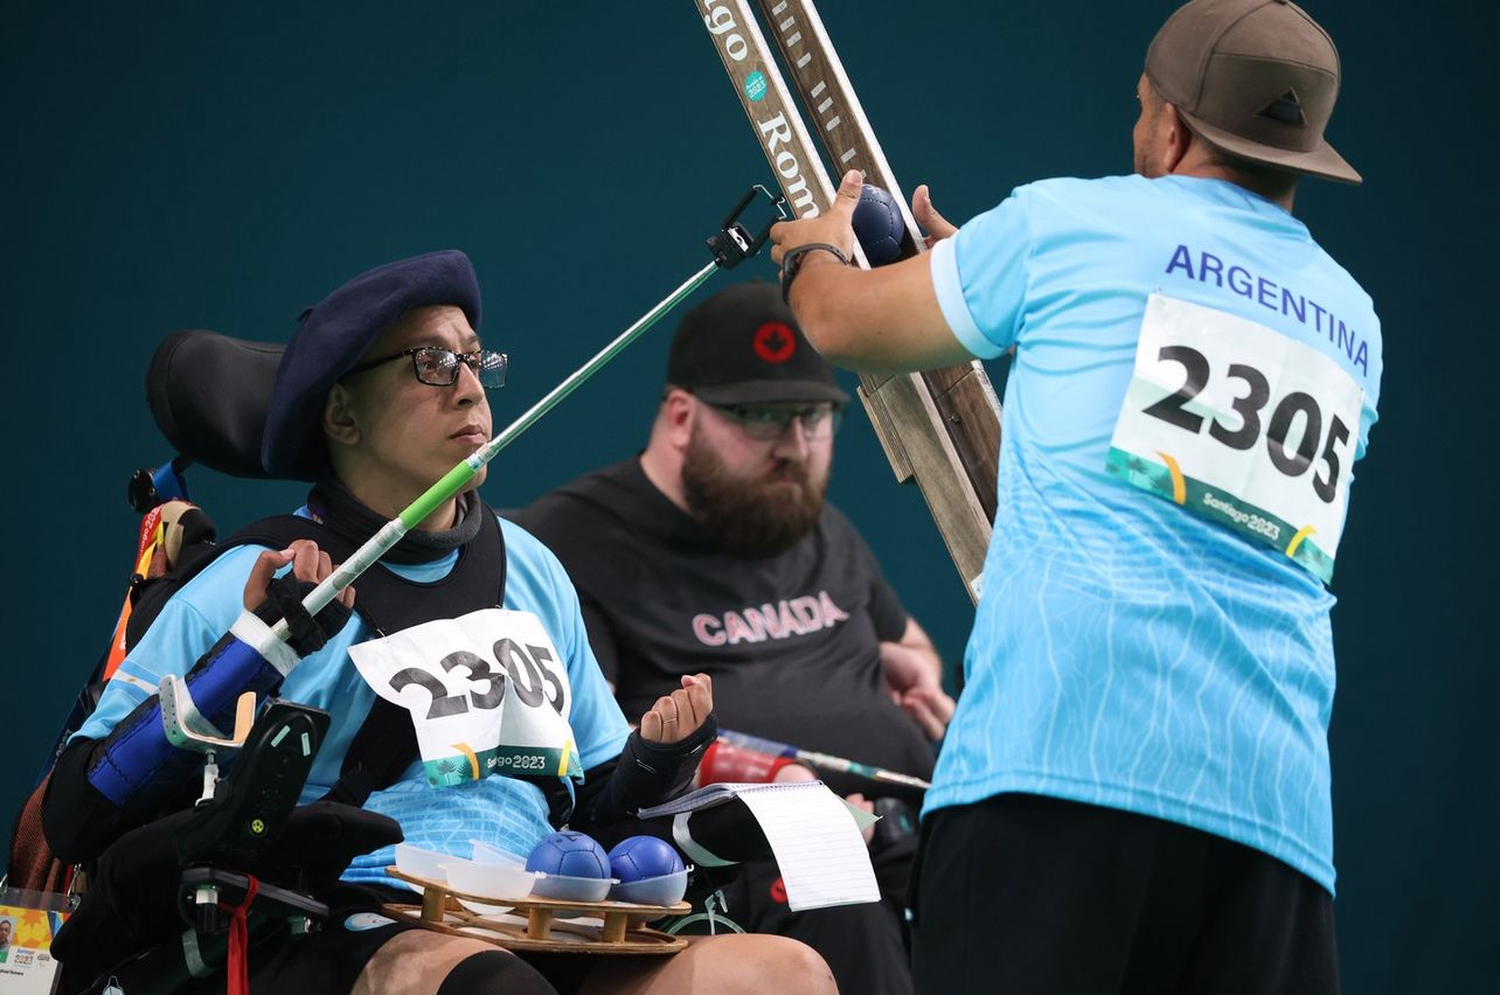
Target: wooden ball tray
point(607, 930)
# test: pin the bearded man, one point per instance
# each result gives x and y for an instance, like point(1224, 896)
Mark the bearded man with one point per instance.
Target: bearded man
point(713, 551)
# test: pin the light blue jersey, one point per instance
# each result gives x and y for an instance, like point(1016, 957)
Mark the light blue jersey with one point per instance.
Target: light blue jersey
point(499, 810)
point(1125, 652)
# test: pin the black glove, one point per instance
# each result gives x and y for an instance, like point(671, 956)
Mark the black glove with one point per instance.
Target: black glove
point(645, 774)
point(308, 634)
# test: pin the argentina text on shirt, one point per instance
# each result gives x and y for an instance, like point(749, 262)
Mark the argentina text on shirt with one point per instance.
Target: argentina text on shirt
point(1268, 294)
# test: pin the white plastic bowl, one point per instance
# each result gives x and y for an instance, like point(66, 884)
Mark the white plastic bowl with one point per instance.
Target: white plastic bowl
point(488, 880)
point(420, 863)
point(666, 889)
point(562, 888)
point(484, 853)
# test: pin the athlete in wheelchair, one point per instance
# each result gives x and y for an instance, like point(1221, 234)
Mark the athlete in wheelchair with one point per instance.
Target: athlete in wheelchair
point(382, 389)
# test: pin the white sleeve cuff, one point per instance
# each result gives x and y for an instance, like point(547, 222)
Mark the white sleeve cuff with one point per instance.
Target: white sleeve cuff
point(950, 297)
point(251, 631)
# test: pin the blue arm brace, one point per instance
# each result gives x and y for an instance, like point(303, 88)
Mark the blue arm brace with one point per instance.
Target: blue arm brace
point(136, 766)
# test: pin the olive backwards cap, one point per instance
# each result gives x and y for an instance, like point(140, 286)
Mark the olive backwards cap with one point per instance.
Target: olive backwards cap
point(1253, 78)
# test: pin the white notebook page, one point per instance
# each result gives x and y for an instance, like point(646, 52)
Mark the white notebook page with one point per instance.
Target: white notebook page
point(818, 846)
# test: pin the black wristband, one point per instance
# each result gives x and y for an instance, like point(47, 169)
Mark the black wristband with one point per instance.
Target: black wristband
point(659, 756)
point(791, 263)
point(650, 773)
point(308, 634)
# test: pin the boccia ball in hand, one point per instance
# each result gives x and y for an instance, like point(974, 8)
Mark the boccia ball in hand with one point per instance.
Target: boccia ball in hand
point(878, 225)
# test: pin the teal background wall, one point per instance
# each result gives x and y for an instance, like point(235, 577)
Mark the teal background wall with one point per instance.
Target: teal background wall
point(175, 164)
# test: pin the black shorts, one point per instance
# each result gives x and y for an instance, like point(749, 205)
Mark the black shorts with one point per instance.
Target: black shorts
point(328, 960)
point(331, 959)
point(1024, 894)
point(864, 945)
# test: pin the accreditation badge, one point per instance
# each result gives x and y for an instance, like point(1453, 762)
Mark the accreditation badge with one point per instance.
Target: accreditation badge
point(28, 921)
point(1241, 425)
point(487, 693)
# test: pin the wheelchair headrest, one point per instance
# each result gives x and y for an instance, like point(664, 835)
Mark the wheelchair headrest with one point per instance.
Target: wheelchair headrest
point(209, 395)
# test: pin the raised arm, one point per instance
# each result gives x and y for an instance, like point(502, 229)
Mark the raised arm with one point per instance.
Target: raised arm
point(885, 320)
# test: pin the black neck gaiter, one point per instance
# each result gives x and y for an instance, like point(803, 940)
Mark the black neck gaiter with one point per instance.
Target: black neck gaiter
point(341, 512)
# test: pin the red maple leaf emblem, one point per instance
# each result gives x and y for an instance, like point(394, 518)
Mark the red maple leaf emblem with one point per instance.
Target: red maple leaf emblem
point(774, 342)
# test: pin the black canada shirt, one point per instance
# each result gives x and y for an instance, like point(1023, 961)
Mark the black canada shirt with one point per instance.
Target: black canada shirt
point(791, 641)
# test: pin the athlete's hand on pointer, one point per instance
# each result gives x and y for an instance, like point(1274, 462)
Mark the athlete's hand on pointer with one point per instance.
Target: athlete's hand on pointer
point(678, 715)
point(835, 226)
point(309, 564)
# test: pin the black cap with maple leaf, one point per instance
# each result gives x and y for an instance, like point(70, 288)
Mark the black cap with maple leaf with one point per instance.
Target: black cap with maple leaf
point(742, 346)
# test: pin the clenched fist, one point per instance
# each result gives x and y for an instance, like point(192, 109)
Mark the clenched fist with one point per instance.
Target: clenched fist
point(678, 715)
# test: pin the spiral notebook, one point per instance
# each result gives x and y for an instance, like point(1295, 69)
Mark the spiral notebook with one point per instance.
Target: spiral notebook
point(815, 835)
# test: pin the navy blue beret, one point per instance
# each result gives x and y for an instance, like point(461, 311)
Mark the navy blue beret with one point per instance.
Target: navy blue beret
point(332, 337)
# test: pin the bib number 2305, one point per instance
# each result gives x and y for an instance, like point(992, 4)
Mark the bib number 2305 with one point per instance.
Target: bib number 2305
point(531, 669)
point(486, 692)
point(1242, 425)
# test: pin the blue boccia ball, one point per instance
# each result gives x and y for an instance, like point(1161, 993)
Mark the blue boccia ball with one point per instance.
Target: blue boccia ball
point(569, 854)
point(637, 858)
point(878, 225)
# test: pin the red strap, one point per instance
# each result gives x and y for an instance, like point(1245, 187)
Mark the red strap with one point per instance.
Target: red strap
point(238, 981)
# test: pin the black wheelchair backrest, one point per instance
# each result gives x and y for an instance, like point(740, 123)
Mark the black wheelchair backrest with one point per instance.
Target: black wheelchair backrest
point(209, 395)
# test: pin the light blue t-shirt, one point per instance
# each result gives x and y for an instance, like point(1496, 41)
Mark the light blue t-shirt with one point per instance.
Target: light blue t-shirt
point(502, 811)
point(1126, 653)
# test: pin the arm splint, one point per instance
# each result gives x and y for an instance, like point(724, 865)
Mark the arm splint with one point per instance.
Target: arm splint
point(136, 765)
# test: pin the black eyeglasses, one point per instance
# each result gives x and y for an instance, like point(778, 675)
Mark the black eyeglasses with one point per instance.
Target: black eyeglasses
point(819, 421)
point(439, 367)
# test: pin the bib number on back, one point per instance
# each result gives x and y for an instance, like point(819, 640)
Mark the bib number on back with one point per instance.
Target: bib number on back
point(487, 694)
point(1241, 425)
